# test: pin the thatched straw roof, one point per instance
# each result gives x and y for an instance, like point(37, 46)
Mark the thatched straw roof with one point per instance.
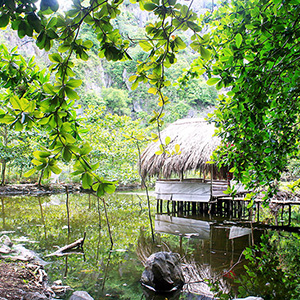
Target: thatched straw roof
point(197, 142)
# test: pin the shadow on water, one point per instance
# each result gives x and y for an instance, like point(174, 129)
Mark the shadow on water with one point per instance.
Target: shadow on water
point(210, 247)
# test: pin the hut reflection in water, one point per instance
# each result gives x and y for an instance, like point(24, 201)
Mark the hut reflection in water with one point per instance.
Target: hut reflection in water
point(218, 247)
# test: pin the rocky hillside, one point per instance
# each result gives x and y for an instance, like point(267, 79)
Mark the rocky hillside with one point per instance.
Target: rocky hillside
point(104, 82)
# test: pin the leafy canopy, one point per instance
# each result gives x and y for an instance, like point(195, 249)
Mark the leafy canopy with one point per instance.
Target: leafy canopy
point(52, 105)
point(255, 47)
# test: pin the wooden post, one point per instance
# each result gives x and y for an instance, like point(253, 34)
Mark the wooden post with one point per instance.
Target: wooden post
point(174, 207)
point(240, 209)
point(213, 208)
point(230, 204)
point(180, 207)
point(234, 209)
point(181, 175)
point(206, 208)
point(194, 210)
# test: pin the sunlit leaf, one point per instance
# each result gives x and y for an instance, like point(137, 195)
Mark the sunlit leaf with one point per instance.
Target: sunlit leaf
point(66, 154)
point(212, 81)
point(109, 188)
point(55, 169)
point(29, 173)
point(238, 40)
point(73, 83)
point(72, 95)
point(86, 148)
point(167, 140)
point(87, 181)
point(55, 57)
point(145, 45)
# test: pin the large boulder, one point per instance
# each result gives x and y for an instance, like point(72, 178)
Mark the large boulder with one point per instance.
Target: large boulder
point(163, 272)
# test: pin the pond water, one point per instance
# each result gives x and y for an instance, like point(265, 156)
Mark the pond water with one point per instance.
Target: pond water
point(210, 250)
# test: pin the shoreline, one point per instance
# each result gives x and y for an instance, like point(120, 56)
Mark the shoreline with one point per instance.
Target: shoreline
point(33, 189)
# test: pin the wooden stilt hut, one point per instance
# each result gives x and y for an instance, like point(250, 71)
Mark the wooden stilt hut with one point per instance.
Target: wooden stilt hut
point(186, 176)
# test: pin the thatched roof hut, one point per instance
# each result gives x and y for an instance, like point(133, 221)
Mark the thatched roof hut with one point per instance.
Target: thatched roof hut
point(197, 142)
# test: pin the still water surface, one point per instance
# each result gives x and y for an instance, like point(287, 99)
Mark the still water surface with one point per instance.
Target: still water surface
point(209, 249)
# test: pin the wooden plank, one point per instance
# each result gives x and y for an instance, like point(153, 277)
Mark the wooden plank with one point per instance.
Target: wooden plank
point(193, 191)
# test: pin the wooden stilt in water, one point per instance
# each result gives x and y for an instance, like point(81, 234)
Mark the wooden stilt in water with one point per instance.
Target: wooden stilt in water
point(180, 207)
point(230, 204)
point(194, 210)
point(174, 207)
point(240, 210)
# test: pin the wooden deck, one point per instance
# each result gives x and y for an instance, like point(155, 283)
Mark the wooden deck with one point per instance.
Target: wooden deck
point(199, 196)
point(207, 191)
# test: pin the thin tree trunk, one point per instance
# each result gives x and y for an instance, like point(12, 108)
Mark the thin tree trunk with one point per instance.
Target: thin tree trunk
point(40, 179)
point(68, 212)
point(108, 225)
point(147, 192)
point(3, 172)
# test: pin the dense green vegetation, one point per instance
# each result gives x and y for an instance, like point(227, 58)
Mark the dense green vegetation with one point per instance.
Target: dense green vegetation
point(102, 75)
point(256, 54)
point(252, 48)
point(110, 137)
point(99, 82)
point(266, 271)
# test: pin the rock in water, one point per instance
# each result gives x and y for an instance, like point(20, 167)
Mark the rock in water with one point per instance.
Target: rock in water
point(81, 295)
point(163, 272)
point(34, 296)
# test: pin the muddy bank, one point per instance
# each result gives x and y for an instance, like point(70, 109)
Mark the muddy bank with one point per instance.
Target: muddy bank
point(34, 189)
point(19, 280)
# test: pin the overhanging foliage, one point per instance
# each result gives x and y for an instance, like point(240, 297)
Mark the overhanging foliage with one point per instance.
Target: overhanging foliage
point(255, 48)
point(47, 25)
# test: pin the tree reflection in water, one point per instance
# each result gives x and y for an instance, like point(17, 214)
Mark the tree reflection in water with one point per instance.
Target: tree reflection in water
point(210, 250)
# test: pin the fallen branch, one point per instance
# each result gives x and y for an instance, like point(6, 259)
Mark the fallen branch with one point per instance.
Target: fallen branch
point(74, 248)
